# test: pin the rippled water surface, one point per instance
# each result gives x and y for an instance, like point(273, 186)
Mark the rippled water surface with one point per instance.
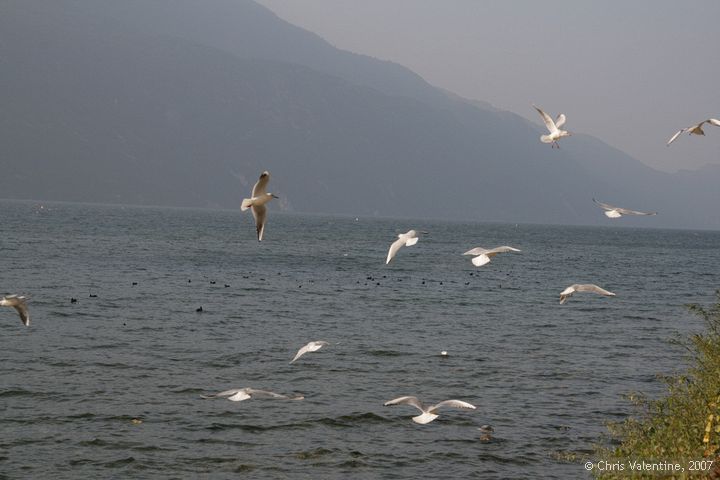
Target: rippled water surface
point(546, 377)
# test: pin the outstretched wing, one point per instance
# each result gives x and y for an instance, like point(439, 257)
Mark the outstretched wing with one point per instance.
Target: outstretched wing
point(503, 249)
point(226, 393)
point(594, 289)
point(476, 251)
point(253, 392)
point(549, 123)
point(452, 403)
point(261, 185)
point(625, 211)
point(672, 139)
point(259, 214)
point(407, 401)
point(560, 120)
point(394, 248)
point(714, 121)
point(605, 206)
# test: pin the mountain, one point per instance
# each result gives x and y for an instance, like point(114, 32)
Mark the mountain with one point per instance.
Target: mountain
point(178, 102)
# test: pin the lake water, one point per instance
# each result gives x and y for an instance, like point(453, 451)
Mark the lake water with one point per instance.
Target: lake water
point(547, 377)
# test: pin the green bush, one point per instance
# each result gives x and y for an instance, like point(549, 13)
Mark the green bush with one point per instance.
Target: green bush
point(683, 426)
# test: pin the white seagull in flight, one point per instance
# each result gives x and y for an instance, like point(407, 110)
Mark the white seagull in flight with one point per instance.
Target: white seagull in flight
point(483, 255)
point(404, 240)
point(428, 412)
point(240, 394)
point(617, 212)
point(694, 129)
point(568, 292)
point(257, 203)
point(310, 347)
point(553, 127)
point(18, 303)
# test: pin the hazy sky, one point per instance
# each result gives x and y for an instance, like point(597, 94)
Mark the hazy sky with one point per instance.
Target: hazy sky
point(629, 72)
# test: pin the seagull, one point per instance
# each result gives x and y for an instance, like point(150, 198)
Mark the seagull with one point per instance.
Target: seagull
point(257, 203)
point(240, 394)
point(18, 303)
point(568, 292)
point(483, 255)
point(310, 347)
point(428, 413)
point(617, 212)
point(553, 127)
point(695, 129)
point(404, 240)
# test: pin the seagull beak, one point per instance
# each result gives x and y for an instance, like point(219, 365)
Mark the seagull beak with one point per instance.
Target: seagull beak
point(274, 196)
point(423, 231)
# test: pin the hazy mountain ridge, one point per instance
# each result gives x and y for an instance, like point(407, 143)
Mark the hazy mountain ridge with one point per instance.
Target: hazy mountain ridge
point(98, 108)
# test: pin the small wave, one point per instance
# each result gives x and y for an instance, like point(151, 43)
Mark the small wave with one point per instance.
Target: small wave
point(17, 392)
point(353, 420)
point(313, 454)
point(386, 353)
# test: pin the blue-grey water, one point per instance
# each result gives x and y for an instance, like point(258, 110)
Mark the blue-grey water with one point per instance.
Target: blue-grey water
point(547, 377)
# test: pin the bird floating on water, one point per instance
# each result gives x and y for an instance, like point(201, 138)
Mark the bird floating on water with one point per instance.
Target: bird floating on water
point(617, 212)
point(404, 240)
point(310, 347)
point(428, 412)
point(240, 394)
point(18, 303)
point(694, 129)
point(483, 256)
point(589, 287)
point(553, 127)
point(257, 203)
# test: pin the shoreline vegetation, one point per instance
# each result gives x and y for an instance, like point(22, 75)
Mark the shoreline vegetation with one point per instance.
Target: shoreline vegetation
point(678, 435)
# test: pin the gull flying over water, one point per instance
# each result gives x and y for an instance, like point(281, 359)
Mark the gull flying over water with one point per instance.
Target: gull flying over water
point(428, 412)
point(240, 394)
point(483, 256)
point(259, 198)
point(553, 127)
point(617, 212)
point(694, 129)
point(569, 291)
point(310, 347)
point(404, 240)
point(18, 303)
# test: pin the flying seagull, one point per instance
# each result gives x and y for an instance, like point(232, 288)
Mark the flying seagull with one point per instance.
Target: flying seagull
point(569, 291)
point(310, 347)
point(428, 413)
point(694, 129)
point(404, 240)
point(483, 256)
point(240, 394)
point(617, 212)
point(553, 127)
point(257, 203)
point(18, 303)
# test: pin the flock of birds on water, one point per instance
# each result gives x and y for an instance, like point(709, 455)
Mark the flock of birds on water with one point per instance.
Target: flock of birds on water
point(481, 256)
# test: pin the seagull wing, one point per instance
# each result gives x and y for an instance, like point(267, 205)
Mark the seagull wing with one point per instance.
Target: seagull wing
point(625, 211)
point(259, 213)
point(677, 134)
point(503, 249)
point(394, 248)
point(261, 185)
point(22, 310)
point(560, 120)
point(18, 303)
point(407, 401)
point(605, 206)
point(476, 251)
point(714, 121)
point(302, 352)
point(226, 393)
point(549, 123)
point(594, 289)
point(253, 392)
point(451, 403)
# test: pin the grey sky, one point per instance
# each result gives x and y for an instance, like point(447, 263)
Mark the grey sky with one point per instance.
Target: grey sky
point(629, 72)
